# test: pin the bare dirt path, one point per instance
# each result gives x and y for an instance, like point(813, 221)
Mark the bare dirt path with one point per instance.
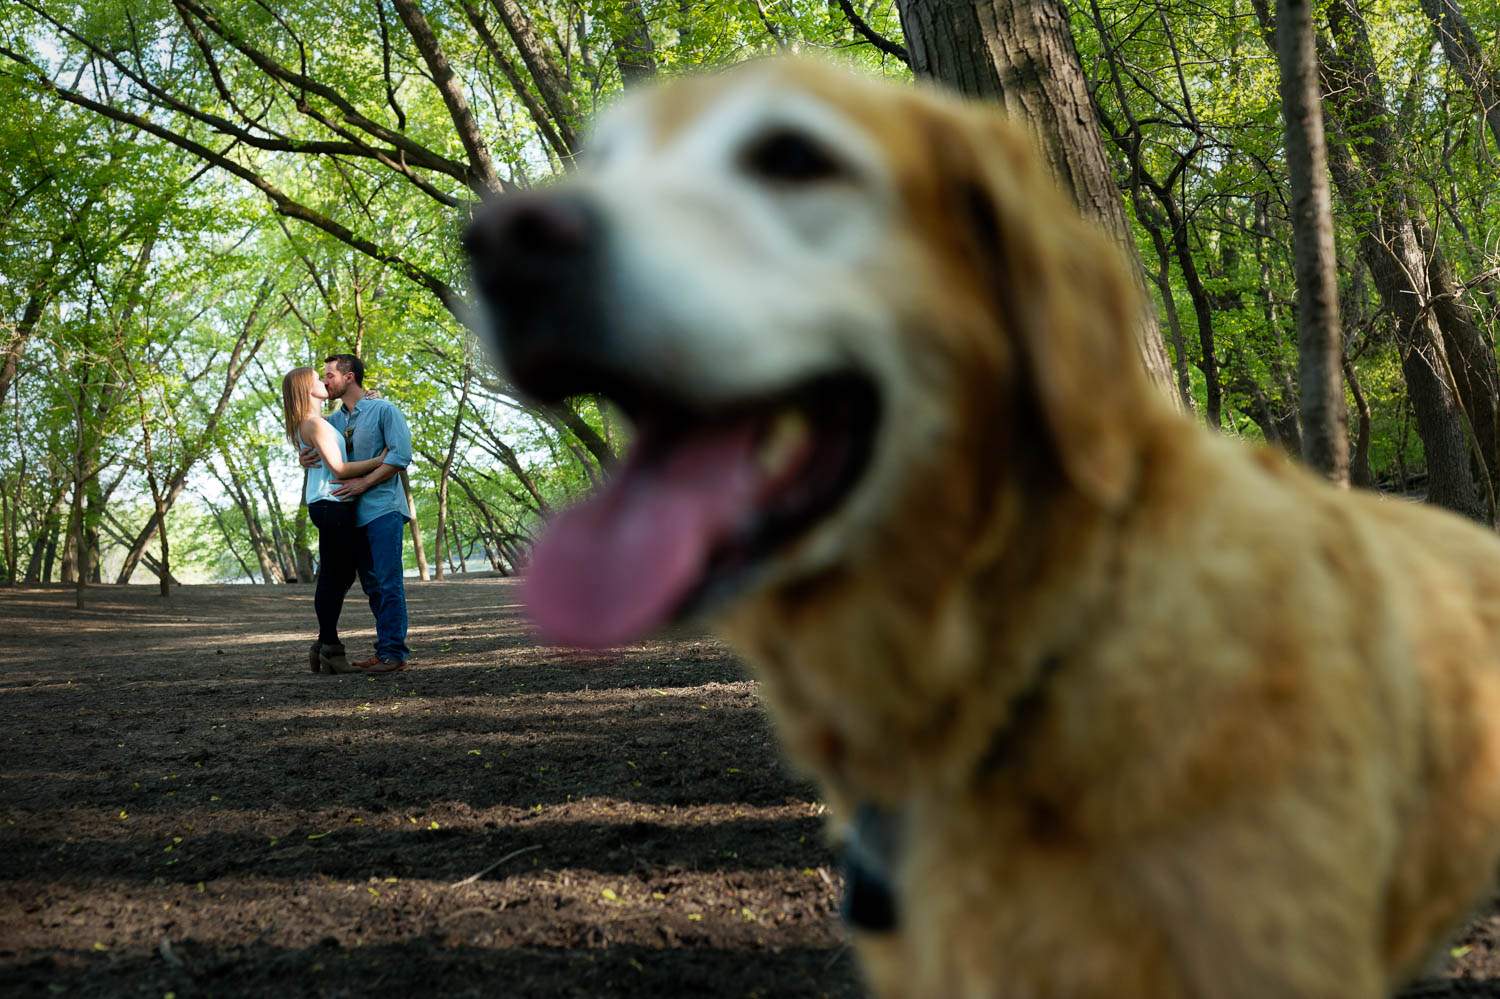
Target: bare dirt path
point(186, 810)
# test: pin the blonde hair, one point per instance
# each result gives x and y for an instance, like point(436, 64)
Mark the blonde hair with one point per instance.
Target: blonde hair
point(297, 403)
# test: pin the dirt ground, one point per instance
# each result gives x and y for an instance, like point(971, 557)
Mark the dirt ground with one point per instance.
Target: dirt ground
point(185, 810)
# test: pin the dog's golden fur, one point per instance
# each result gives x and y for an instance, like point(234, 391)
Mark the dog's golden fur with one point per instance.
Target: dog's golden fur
point(1153, 715)
point(1159, 715)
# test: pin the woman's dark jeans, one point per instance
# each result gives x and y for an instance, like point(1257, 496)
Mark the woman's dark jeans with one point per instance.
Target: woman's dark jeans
point(339, 544)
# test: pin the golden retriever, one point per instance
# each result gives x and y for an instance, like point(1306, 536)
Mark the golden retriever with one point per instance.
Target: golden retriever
point(1109, 706)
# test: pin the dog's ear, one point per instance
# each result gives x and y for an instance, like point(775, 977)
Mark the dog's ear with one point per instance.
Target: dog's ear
point(1062, 294)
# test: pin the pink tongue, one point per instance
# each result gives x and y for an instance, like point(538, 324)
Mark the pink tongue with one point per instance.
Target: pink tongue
point(617, 566)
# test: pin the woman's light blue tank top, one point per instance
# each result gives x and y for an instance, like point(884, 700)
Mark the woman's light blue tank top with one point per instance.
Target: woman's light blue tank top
point(320, 481)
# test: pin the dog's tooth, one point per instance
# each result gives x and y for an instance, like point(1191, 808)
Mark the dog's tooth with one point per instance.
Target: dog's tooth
point(783, 443)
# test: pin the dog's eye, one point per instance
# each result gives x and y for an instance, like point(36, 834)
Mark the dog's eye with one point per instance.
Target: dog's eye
point(789, 157)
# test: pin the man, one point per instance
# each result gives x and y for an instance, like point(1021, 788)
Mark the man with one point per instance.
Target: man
point(370, 425)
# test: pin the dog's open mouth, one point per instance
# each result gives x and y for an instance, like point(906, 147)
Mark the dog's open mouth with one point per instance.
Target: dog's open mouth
point(702, 499)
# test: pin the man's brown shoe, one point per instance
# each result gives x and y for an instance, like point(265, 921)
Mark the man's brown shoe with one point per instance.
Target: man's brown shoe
point(377, 665)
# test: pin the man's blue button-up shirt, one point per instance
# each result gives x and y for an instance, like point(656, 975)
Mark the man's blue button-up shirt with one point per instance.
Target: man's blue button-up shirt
point(377, 424)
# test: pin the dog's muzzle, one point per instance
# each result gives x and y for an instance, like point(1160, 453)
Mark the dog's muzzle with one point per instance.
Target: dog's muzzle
point(537, 261)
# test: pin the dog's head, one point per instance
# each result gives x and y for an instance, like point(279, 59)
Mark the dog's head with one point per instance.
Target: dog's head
point(844, 316)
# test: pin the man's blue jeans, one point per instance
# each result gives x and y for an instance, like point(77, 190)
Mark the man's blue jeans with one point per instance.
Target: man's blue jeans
point(380, 575)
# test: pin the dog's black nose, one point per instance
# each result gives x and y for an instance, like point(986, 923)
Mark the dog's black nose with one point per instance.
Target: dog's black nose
point(534, 242)
point(537, 262)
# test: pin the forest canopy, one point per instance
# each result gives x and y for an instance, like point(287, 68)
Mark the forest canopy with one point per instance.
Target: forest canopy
point(199, 196)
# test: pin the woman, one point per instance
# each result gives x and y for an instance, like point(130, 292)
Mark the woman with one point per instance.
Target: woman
point(302, 398)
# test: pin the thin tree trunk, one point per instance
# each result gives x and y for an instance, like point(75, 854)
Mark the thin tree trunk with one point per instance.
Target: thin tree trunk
point(1151, 221)
point(447, 466)
point(239, 360)
point(507, 456)
point(300, 542)
point(1360, 475)
point(51, 556)
point(1020, 53)
point(416, 527)
point(259, 543)
point(1325, 434)
point(457, 547)
point(8, 528)
point(557, 134)
point(46, 530)
point(1288, 422)
point(229, 542)
point(286, 557)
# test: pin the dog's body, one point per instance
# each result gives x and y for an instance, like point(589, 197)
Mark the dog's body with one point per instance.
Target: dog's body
point(1149, 714)
point(1237, 740)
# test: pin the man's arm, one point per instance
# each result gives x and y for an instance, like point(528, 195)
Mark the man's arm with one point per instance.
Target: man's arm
point(397, 456)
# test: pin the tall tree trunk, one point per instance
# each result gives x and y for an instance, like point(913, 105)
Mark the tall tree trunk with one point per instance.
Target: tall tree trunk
point(239, 360)
point(259, 543)
point(1392, 247)
point(551, 82)
point(1020, 53)
point(507, 455)
point(1151, 220)
point(8, 530)
point(1203, 311)
point(416, 527)
point(1288, 419)
point(46, 531)
point(446, 467)
point(1360, 475)
point(286, 557)
point(228, 536)
point(1472, 355)
point(50, 555)
point(300, 542)
point(451, 89)
point(1325, 434)
point(1464, 52)
point(15, 345)
point(457, 547)
point(634, 53)
point(558, 135)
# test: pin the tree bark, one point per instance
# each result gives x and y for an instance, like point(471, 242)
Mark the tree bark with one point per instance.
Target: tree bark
point(239, 359)
point(557, 134)
point(1325, 434)
point(447, 466)
point(417, 549)
point(480, 163)
point(1393, 249)
point(550, 81)
point(303, 550)
point(634, 53)
point(1020, 54)
point(1151, 220)
point(259, 543)
point(16, 344)
point(46, 531)
point(1360, 475)
point(1463, 51)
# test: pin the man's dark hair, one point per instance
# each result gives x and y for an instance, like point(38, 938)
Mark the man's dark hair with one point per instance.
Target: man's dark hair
point(348, 363)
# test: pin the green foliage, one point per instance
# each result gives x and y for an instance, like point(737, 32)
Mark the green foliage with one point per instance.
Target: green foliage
point(209, 189)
